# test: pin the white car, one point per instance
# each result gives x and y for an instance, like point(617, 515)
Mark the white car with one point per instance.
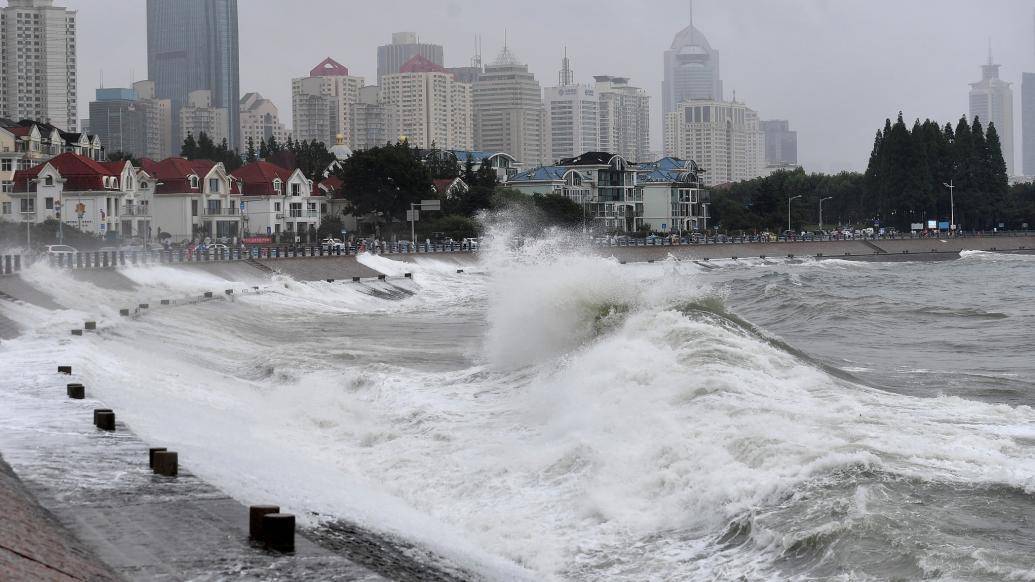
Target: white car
point(61, 250)
point(332, 244)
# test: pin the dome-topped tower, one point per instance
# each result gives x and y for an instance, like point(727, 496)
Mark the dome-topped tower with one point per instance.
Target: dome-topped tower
point(691, 69)
point(339, 150)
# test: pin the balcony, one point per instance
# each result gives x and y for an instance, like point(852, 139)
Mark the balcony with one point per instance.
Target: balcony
point(305, 214)
point(229, 212)
point(136, 210)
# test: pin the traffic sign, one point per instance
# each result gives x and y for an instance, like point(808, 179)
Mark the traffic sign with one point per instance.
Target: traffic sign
point(430, 205)
point(413, 215)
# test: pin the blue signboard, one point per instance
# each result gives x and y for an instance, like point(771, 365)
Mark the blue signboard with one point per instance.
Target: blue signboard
point(943, 225)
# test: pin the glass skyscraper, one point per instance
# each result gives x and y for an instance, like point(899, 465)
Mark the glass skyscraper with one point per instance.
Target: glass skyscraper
point(691, 70)
point(192, 45)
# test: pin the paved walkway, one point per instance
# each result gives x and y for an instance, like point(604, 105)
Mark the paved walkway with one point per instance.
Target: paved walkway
point(115, 514)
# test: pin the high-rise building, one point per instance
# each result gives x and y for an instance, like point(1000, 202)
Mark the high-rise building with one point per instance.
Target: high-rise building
point(156, 115)
point(1028, 122)
point(260, 121)
point(423, 104)
point(132, 121)
point(624, 113)
point(192, 45)
point(572, 122)
point(199, 116)
point(114, 118)
point(38, 63)
point(508, 110)
point(322, 104)
point(724, 138)
point(405, 46)
point(691, 70)
point(991, 101)
point(781, 144)
point(369, 129)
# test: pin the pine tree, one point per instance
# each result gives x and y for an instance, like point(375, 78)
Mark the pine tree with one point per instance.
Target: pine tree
point(264, 149)
point(272, 145)
point(291, 145)
point(251, 155)
point(961, 150)
point(190, 147)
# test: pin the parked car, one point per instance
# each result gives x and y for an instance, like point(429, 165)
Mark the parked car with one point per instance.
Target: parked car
point(61, 250)
point(332, 244)
point(214, 249)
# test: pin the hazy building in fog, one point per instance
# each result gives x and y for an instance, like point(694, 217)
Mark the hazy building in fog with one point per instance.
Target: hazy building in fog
point(991, 101)
point(508, 110)
point(38, 63)
point(691, 70)
point(133, 121)
point(199, 115)
point(572, 121)
point(724, 138)
point(423, 104)
point(624, 114)
point(368, 129)
point(323, 104)
point(260, 121)
point(781, 144)
point(193, 45)
point(405, 46)
point(1028, 122)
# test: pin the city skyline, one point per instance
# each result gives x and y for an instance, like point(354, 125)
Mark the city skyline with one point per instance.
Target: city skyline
point(763, 60)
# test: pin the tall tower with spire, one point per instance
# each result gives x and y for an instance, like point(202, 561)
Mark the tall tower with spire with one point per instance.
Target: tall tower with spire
point(991, 101)
point(572, 121)
point(508, 110)
point(691, 69)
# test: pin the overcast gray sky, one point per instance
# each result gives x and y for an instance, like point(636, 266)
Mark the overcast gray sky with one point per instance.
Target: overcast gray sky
point(834, 68)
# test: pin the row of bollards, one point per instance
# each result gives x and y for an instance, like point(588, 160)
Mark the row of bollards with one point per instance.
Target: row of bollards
point(266, 524)
point(275, 530)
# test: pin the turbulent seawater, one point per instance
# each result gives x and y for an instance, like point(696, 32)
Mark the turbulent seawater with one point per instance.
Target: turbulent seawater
point(548, 416)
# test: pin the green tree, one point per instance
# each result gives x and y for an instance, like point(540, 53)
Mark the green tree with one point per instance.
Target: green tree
point(330, 227)
point(382, 182)
point(251, 155)
point(121, 156)
point(189, 149)
point(558, 209)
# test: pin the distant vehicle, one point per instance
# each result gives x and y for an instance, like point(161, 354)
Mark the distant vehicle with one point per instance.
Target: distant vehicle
point(789, 235)
point(215, 249)
point(61, 251)
point(332, 244)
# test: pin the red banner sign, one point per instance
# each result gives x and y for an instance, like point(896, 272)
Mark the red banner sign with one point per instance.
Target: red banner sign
point(257, 240)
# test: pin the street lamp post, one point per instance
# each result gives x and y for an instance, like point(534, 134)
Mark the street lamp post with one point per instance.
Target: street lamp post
point(952, 204)
point(705, 205)
point(821, 201)
point(789, 200)
point(28, 216)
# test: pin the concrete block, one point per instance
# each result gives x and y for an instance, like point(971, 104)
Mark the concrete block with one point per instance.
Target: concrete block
point(144, 306)
point(166, 302)
point(90, 325)
point(166, 463)
point(255, 515)
point(104, 419)
point(208, 295)
point(151, 455)
point(64, 369)
point(278, 531)
point(77, 332)
point(124, 312)
point(76, 391)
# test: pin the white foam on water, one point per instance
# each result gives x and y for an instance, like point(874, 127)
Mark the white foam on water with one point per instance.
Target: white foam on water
point(604, 433)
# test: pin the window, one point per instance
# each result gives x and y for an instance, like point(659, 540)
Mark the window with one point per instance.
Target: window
point(276, 207)
point(277, 186)
point(215, 206)
point(7, 208)
point(28, 204)
point(48, 181)
point(296, 189)
point(194, 182)
point(311, 207)
point(48, 203)
point(193, 207)
point(7, 165)
point(213, 184)
point(296, 210)
point(143, 185)
point(7, 186)
point(323, 209)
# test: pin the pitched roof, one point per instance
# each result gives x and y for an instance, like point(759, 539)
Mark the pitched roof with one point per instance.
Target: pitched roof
point(444, 185)
point(589, 159)
point(421, 64)
point(79, 172)
point(257, 178)
point(332, 186)
point(174, 175)
point(329, 68)
point(540, 174)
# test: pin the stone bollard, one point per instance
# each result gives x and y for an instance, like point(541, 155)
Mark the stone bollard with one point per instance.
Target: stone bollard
point(76, 391)
point(64, 369)
point(278, 531)
point(255, 515)
point(382, 277)
point(166, 463)
point(355, 279)
point(90, 326)
point(208, 295)
point(104, 419)
point(124, 312)
point(77, 332)
point(99, 410)
point(144, 306)
point(650, 260)
point(229, 292)
point(330, 280)
point(408, 275)
point(166, 302)
point(151, 455)
point(459, 271)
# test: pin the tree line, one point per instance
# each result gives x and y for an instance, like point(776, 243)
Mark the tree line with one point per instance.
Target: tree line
point(312, 157)
point(904, 184)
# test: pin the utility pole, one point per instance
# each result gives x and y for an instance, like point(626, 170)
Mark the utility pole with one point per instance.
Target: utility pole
point(789, 200)
point(821, 200)
point(952, 204)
